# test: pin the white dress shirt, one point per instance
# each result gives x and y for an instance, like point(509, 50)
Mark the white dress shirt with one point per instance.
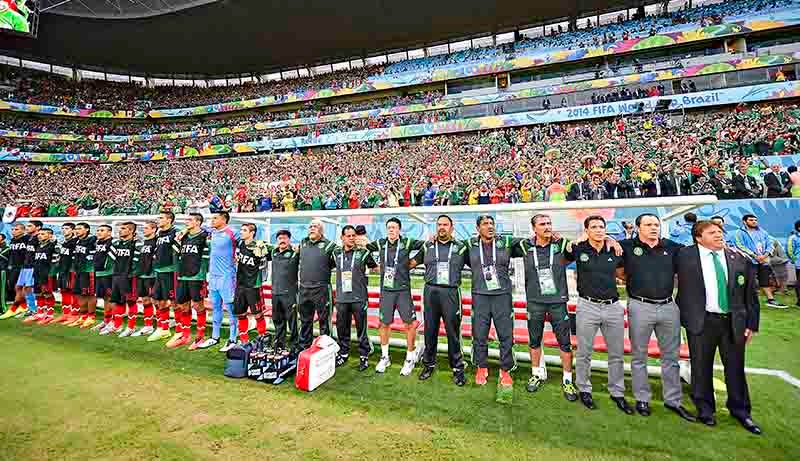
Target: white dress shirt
point(710, 277)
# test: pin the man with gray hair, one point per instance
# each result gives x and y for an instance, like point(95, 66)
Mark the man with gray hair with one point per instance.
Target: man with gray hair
point(777, 182)
point(314, 294)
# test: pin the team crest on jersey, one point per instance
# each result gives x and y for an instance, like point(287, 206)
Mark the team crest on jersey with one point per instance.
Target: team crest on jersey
point(740, 280)
point(320, 245)
point(584, 258)
point(501, 244)
point(638, 251)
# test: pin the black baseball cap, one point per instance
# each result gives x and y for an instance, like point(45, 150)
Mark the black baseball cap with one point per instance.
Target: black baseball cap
point(284, 232)
point(361, 230)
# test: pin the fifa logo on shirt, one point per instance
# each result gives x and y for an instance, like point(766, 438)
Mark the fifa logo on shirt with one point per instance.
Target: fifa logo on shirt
point(102, 247)
point(18, 246)
point(189, 248)
point(64, 251)
point(123, 252)
point(164, 240)
point(41, 256)
point(80, 250)
point(245, 259)
point(147, 249)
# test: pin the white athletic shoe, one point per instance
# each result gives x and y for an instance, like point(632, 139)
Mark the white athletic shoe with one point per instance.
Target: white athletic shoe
point(100, 326)
point(144, 331)
point(126, 332)
point(208, 342)
point(408, 367)
point(383, 364)
point(109, 329)
point(228, 345)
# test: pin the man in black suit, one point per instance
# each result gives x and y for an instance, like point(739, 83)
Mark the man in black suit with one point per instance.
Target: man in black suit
point(719, 309)
point(745, 186)
point(777, 182)
point(615, 189)
point(579, 190)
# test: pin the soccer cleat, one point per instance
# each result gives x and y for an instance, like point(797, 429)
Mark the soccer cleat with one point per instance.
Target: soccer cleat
point(108, 329)
point(99, 327)
point(8, 314)
point(408, 367)
point(569, 391)
point(76, 322)
point(384, 363)
point(363, 364)
point(21, 314)
point(61, 318)
point(88, 323)
point(776, 305)
point(534, 383)
point(176, 338)
point(228, 346)
point(159, 335)
point(505, 379)
point(30, 318)
point(208, 342)
point(480, 376)
point(46, 319)
point(196, 343)
point(126, 332)
point(144, 331)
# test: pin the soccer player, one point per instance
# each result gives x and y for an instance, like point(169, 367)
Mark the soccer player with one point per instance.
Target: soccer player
point(145, 280)
point(221, 279)
point(103, 269)
point(546, 292)
point(394, 252)
point(66, 276)
point(352, 265)
point(165, 264)
point(121, 255)
point(16, 258)
point(4, 254)
point(25, 282)
point(489, 257)
point(314, 296)
point(83, 266)
point(191, 290)
point(285, 267)
point(443, 259)
point(251, 259)
point(45, 268)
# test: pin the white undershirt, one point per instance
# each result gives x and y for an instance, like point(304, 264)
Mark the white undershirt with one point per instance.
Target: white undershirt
point(710, 277)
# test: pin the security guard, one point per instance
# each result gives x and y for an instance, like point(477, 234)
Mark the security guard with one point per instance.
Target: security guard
point(650, 281)
point(444, 258)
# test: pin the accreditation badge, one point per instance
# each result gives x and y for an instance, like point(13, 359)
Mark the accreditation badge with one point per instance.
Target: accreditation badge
point(547, 283)
point(347, 282)
point(388, 277)
point(490, 277)
point(443, 273)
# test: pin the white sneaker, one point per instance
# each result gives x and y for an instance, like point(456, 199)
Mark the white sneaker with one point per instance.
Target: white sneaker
point(144, 331)
point(209, 342)
point(228, 345)
point(418, 353)
point(126, 332)
point(108, 330)
point(383, 364)
point(100, 326)
point(408, 367)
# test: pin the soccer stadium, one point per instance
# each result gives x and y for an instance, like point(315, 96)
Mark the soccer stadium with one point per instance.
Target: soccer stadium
point(399, 230)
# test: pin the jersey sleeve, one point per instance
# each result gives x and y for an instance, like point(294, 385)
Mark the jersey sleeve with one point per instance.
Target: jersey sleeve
point(414, 244)
point(369, 260)
point(467, 247)
point(419, 258)
point(519, 249)
point(374, 246)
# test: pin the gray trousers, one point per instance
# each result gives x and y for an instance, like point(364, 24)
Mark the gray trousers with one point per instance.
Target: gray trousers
point(665, 320)
point(609, 318)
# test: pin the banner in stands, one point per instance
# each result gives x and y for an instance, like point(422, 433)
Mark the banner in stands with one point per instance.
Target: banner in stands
point(603, 83)
point(679, 34)
point(724, 96)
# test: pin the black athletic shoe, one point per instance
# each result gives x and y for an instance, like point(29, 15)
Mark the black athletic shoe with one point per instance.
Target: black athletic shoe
point(363, 364)
point(426, 373)
point(459, 379)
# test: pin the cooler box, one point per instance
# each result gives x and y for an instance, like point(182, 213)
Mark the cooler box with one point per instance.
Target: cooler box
point(316, 364)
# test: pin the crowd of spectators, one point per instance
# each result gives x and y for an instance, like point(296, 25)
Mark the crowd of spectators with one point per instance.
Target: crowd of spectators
point(35, 87)
point(714, 152)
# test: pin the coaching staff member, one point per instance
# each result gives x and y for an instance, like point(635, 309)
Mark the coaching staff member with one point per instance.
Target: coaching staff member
point(718, 310)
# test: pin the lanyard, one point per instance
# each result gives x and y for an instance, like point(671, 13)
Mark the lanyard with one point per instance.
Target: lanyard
point(494, 253)
point(449, 252)
point(352, 261)
point(396, 253)
point(536, 255)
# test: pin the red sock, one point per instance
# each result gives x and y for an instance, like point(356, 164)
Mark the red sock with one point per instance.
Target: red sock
point(243, 324)
point(201, 322)
point(148, 315)
point(51, 302)
point(108, 312)
point(261, 326)
point(119, 312)
point(41, 306)
point(187, 323)
point(133, 309)
point(66, 306)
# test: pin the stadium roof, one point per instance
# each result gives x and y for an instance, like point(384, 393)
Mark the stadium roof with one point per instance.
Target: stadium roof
point(208, 37)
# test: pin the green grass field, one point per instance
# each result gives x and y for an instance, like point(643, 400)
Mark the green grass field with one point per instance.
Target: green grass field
point(69, 394)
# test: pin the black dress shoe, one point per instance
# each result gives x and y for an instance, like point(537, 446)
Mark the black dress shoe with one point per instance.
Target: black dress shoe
point(643, 408)
point(750, 425)
point(587, 400)
point(363, 364)
point(458, 378)
point(426, 373)
point(623, 405)
point(682, 412)
point(708, 420)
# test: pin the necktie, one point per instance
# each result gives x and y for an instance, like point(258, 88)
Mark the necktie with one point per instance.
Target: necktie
point(722, 284)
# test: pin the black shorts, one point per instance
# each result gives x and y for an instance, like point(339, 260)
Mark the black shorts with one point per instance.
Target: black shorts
point(66, 281)
point(247, 300)
point(765, 276)
point(191, 290)
point(102, 286)
point(11, 281)
point(164, 289)
point(401, 300)
point(122, 289)
point(144, 287)
point(84, 284)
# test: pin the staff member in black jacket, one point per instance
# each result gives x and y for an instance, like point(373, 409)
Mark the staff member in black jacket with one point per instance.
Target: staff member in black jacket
point(716, 288)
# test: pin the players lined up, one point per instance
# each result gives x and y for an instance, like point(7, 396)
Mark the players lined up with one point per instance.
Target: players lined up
point(171, 268)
